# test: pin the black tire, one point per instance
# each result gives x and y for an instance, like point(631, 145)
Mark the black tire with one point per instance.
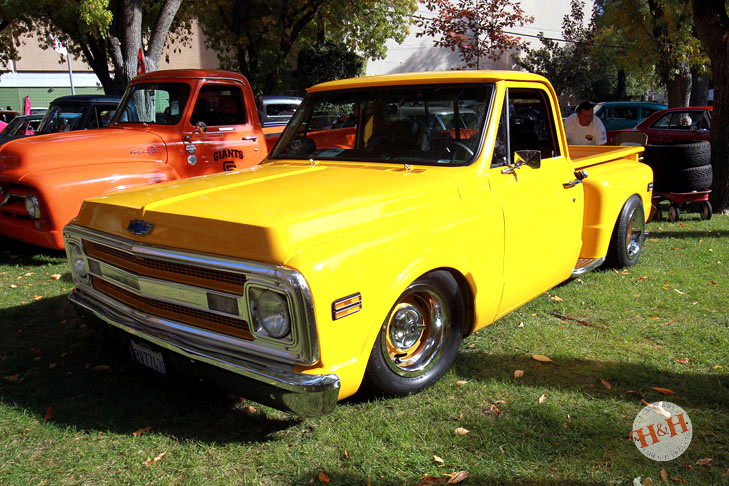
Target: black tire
point(406, 357)
point(626, 243)
point(678, 155)
point(674, 213)
point(706, 210)
point(683, 180)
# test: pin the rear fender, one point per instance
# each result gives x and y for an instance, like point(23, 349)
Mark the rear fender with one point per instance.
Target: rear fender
point(607, 188)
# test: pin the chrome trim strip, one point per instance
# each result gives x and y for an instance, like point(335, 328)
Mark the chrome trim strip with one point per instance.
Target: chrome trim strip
point(286, 280)
point(581, 270)
point(164, 291)
point(310, 395)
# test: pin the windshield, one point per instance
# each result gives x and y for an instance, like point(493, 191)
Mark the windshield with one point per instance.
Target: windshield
point(158, 103)
point(429, 125)
point(62, 118)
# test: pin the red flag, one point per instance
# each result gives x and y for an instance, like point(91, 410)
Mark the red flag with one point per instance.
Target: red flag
point(140, 62)
point(26, 111)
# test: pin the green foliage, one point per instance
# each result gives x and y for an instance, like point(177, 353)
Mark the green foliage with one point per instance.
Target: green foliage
point(261, 38)
point(14, 22)
point(580, 68)
point(327, 62)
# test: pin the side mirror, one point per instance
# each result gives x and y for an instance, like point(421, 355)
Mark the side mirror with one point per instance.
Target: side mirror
point(202, 126)
point(532, 158)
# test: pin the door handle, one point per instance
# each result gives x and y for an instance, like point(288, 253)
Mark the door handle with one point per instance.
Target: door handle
point(572, 183)
point(250, 138)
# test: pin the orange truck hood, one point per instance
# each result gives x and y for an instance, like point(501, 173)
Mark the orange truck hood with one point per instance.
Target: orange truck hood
point(273, 211)
point(74, 149)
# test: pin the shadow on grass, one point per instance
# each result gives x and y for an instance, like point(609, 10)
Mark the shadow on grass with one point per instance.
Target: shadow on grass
point(629, 381)
point(50, 358)
point(13, 252)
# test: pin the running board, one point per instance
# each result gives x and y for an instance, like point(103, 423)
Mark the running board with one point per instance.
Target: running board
point(584, 265)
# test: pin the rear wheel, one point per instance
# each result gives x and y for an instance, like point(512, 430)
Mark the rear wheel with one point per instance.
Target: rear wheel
point(419, 339)
point(626, 243)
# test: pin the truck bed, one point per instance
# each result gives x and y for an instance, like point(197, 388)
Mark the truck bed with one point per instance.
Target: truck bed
point(589, 155)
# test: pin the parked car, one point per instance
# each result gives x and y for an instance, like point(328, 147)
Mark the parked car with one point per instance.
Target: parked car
point(76, 112)
point(38, 110)
point(677, 125)
point(618, 115)
point(22, 125)
point(278, 110)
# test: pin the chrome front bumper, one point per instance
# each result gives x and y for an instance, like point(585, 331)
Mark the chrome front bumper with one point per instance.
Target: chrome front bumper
point(275, 385)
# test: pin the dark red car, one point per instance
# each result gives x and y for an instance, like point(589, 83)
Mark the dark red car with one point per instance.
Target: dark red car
point(674, 125)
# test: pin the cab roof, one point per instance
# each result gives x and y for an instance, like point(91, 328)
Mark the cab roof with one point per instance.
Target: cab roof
point(190, 73)
point(428, 78)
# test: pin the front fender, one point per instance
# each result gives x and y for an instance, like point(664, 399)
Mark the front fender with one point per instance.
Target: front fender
point(381, 261)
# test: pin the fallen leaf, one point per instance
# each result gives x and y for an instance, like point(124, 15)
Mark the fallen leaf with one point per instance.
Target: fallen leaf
point(457, 477)
point(664, 391)
point(704, 462)
point(521, 324)
point(56, 276)
point(141, 432)
point(542, 358)
point(518, 373)
point(438, 459)
point(683, 361)
point(49, 414)
point(642, 278)
point(471, 346)
point(557, 299)
point(249, 409)
point(682, 293)
point(102, 367)
point(461, 383)
point(543, 398)
point(647, 482)
point(716, 367)
point(461, 431)
point(346, 454)
point(324, 477)
point(710, 282)
point(675, 249)
point(664, 475)
point(37, 297)
point(13, 286)
point(156, 459)
point(655, 318)
point(606, 384)
point(679, 480)
point(427, 480)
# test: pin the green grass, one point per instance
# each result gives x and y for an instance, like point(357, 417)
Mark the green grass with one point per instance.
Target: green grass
point(672, 306)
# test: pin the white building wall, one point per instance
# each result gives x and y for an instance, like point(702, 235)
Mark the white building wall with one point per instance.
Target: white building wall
point(418, 53)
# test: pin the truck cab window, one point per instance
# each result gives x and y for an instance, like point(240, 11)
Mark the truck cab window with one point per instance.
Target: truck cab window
point(531, 124)
point(219, 104)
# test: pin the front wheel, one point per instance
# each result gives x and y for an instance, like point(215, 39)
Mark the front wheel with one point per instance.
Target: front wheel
point(628, 235)
point(419, 339)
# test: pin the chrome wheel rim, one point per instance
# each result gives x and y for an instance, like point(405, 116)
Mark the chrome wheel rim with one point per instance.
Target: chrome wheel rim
point(415, 332)
point(635, 234)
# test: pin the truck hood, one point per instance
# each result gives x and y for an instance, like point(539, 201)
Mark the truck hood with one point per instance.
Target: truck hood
point(273, 211)
point(74, 149)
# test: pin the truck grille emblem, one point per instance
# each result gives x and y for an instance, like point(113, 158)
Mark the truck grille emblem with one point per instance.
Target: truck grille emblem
point(140, 227)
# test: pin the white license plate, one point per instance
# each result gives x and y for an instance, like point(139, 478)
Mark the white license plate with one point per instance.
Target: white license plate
point(148, 357)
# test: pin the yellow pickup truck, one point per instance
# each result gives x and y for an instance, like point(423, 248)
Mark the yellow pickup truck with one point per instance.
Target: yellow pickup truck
point(396, 215)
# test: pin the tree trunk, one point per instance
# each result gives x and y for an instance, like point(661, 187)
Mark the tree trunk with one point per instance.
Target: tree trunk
point(712, 27)
point(620, 92)
point(699, 89)
point(679, 87)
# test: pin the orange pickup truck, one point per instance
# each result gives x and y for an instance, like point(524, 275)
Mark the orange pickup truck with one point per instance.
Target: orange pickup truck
point(169, 125)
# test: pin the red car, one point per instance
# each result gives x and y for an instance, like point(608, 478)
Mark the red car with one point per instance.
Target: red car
point(674, 125)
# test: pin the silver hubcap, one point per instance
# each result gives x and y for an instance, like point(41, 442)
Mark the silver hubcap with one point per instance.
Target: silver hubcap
point(636, 233)
point(415, 332)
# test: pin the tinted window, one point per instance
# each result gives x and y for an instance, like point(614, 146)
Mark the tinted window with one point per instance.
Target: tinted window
point(219, 104)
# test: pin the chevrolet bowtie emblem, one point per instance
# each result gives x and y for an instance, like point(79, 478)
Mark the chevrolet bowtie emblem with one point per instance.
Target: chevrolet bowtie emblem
point(140, 227)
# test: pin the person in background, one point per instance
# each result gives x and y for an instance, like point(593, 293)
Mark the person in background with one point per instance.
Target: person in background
point(583, 128)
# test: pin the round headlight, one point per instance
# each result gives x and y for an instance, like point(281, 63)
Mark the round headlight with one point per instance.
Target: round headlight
point(78, 262)
point(32, 206)
point(270, 313)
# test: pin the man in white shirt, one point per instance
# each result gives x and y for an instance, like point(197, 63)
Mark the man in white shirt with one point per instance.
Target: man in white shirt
point(583, 128)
